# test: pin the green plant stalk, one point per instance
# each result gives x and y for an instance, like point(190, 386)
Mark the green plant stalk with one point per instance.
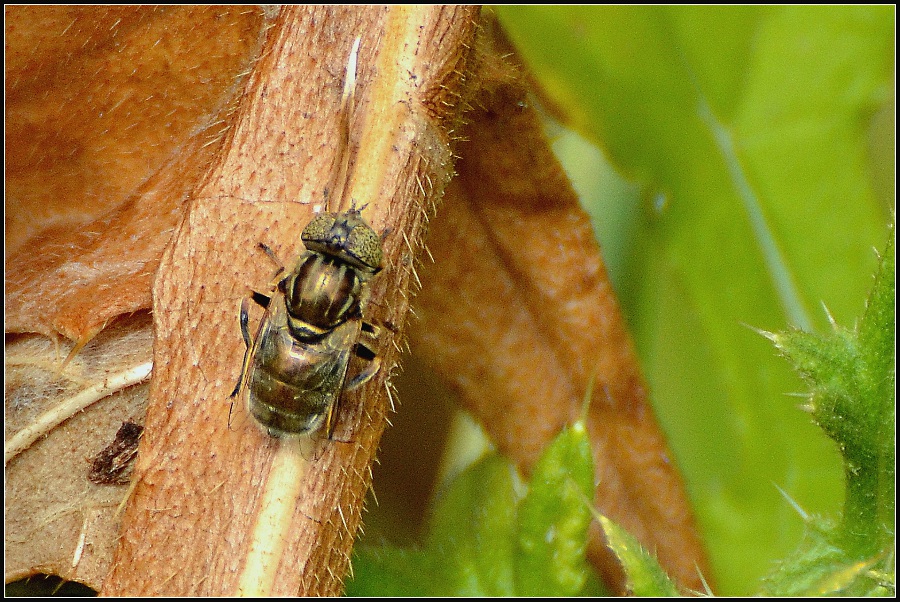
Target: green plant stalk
point(852, 378)
point(870, 459)
point(852, 400)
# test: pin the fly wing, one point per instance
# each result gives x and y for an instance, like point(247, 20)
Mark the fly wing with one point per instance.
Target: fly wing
point(294, 384)
point(345, 337)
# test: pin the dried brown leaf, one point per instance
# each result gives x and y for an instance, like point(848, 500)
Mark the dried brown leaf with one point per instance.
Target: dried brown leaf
point(57, 521)
point(99, 100)
point(533, 321)
point(112, 115)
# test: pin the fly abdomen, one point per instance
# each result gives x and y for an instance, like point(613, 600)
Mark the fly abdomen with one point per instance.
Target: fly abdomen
point(295, 383)
point(283, 408)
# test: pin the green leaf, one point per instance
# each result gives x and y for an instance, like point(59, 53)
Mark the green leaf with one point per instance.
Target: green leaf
point(645, 578)
point(554, 517)
point(487, 539)
point(473, 531)
point(822, 567)
point(390, 572)
point(470, 545)
point(747, 130)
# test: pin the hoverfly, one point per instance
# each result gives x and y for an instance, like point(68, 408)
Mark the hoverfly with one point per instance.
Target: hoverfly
point(295, 369)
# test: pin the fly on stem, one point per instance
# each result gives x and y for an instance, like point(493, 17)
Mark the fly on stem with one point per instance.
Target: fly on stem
point(295, 368)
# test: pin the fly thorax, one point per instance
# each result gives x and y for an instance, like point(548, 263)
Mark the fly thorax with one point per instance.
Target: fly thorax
point(323, 293)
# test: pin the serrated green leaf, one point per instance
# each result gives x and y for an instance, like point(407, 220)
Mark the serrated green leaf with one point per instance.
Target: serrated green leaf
point(747, 129)
point(821, 567)
point(484, 540)
point(645, 578)
point(554, 517)
point(852, 377)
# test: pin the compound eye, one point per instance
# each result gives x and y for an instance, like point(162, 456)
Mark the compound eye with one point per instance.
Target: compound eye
point(318, 229)
point(365, 246)
point(345, 236)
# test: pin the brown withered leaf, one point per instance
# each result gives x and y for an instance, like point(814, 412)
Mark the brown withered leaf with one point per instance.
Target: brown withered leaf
point(112, 115)
point(533, 321)
point(99, 100)
point(57, 521)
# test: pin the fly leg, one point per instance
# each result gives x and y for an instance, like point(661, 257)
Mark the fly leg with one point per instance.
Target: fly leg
point(276, 278)
point(263, 301)
point(248, 344)
point(363, 350)
point(373, 364)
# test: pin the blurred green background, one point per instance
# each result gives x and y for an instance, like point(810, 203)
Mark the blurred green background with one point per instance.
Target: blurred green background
point(746, 174)
point(739, 165)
